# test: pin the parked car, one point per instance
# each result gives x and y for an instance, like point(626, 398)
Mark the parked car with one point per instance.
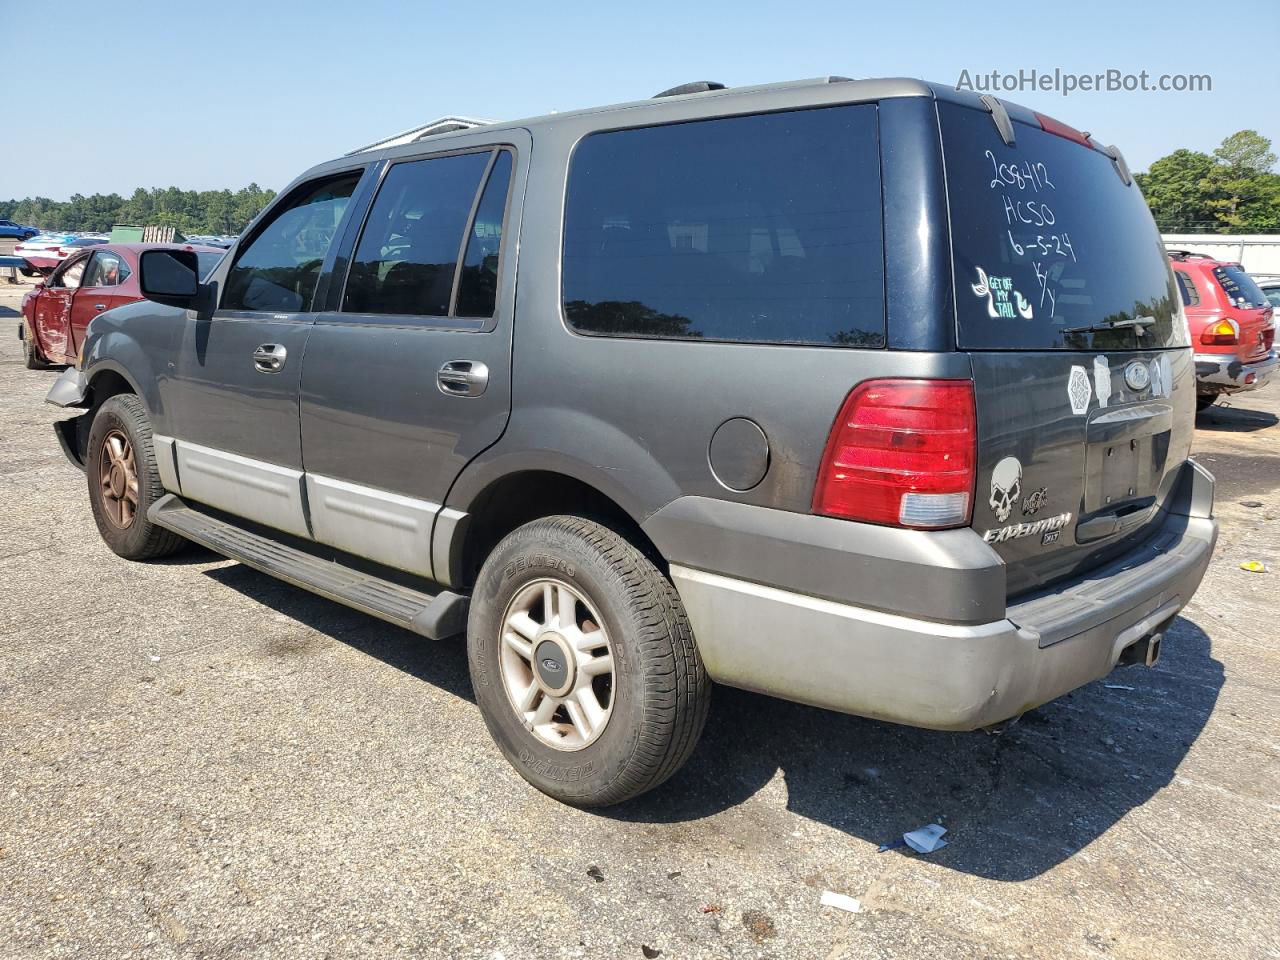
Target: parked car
point(1231, 323)
point(56, 313)
point(726, 416)
point(44, 252)
point(1271, 290)
point(16, 231)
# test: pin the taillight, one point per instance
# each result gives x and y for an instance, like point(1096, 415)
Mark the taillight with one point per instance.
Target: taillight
point(1058, 128)
point(901, 453)
point(1221, 333)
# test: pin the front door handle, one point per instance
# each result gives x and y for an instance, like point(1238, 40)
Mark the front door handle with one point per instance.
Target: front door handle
point(99, 307)
point(463, 378)
point(270, 358)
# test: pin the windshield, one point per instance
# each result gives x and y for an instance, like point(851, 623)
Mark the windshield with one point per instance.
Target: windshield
point(1048, 242)
point(207, 262)
point(1239, 286)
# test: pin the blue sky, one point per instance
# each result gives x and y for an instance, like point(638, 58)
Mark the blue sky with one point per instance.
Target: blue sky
point(206, 95)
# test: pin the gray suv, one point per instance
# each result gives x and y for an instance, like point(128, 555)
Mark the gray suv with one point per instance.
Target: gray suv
point(872, 394)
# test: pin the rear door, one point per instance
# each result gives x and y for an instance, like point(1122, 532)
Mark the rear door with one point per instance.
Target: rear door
point(408, 373)
point(233, 397)
point(1072, 319)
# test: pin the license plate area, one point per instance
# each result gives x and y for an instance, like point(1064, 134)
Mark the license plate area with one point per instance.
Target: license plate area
point(1126, 457)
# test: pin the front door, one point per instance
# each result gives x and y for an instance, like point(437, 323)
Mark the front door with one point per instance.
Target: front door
point(407, 374)
point(98, 292)
point(234, 397)
point(53, 310)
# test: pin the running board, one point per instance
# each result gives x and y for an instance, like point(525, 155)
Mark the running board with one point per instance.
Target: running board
point(436, 616)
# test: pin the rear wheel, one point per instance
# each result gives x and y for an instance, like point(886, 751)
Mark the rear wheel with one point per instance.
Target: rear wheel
point(583, 662)
point(124, 482)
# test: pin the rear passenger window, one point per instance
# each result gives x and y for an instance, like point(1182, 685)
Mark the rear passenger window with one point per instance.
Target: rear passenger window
point(763, 228)
point(279, 268)
point(1187, 286)
point(478, 285)
point(407, 257)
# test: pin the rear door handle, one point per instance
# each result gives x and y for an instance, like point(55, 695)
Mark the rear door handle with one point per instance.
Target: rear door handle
point(463, 378)
point(99, 307)
point(270, 358)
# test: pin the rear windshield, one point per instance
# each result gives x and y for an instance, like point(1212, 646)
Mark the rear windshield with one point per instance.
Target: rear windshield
point(1048, 243)
point(1239, 287)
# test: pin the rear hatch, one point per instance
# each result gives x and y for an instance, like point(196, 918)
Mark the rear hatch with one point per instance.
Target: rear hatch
point(1068, 309)
point(1248, 307)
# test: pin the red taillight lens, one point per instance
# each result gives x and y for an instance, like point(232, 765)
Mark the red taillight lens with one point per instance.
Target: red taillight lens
point(902, 453)
point(1222, 333)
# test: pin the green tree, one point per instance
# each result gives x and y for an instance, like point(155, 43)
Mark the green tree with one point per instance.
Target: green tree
point(1243, 191)
point(1231, 191)
point(1175, 191)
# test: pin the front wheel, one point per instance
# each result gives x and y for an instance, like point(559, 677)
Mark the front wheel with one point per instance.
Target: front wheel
point(583, 663)
point(31, 354)
point(124, 482)
point(1204, 401)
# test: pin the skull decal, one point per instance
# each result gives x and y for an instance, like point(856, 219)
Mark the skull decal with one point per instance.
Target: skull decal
point(1006, 487)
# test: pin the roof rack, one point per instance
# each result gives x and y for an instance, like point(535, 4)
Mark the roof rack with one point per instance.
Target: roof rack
point(696, 86)
point(449, 124)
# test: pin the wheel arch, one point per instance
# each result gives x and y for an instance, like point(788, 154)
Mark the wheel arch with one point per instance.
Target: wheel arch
point(510, 499)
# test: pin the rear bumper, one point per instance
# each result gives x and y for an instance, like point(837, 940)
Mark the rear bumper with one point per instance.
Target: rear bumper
point(951, 676)
point(1228, 374)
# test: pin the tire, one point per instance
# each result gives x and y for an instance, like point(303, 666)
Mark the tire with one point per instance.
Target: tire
point(1204, 402)
point(27, 271)
point(31, 353)
point(123, 421)
point(657, 692)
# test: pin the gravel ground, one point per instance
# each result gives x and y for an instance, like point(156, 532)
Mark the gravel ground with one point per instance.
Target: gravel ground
point(199, 761)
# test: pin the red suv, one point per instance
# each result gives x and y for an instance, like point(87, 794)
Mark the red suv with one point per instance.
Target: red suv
point(1231, 326)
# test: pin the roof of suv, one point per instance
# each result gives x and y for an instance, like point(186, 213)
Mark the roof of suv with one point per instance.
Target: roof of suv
point(816, 91)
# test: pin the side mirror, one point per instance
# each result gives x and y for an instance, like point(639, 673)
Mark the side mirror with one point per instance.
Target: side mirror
point(170, 277)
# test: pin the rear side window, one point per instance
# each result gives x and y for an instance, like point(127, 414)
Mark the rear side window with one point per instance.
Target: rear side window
point(408, 251)
point(478, 283)
point(1050, 247)
point(1239, 287)
point(763, 228)
point(1187, 287)
point(279, 268)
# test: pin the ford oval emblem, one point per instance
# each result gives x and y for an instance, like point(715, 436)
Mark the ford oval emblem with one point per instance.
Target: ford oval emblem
point(550, 665)
point(1137, 375)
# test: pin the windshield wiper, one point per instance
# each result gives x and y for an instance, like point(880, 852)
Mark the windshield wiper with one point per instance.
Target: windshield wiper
point(1137, 324)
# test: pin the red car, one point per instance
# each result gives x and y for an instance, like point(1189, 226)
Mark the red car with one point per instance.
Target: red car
point(1232, 326)
point(57, 312)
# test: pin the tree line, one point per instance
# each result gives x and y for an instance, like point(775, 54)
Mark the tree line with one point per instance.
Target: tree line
point(222, 212)
point(1231, 190)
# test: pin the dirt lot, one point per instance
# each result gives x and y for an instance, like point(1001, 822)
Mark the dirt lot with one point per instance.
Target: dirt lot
point(198, 761)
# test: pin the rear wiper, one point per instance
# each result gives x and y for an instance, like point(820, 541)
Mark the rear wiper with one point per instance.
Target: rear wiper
point(1137, 324)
